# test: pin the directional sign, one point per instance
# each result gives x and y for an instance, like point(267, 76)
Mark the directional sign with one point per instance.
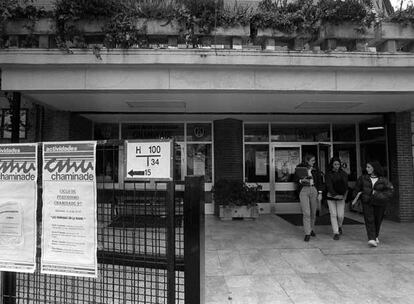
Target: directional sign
point(148, 160)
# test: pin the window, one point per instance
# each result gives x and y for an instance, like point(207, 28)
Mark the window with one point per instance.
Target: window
point(297, 132)
point(344, 132)
point(153, 131)
point(347, 155)
point(257, 163)
point(199, 160)
point(6, 124)
point(198, 132)
point(256, 133)
point(106, 131)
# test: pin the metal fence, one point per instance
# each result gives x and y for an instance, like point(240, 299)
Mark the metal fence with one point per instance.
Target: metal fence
point(140, 246)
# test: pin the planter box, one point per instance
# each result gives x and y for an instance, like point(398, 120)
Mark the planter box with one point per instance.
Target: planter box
point(395, 31)
point(159, 27)
point(42, 26)
point(345, 31)
point(230, 212)
point(238, 31)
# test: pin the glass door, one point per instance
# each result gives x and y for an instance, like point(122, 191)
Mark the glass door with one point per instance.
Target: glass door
point(285, 158)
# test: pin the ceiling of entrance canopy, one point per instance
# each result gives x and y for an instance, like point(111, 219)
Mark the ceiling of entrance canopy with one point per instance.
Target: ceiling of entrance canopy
point(224, 102)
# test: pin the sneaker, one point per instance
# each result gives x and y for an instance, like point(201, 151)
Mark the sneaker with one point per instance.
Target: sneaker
point(313, 233)
point(372, 243)
point(336, 237)
point(340, 230)
point(377, 240)
point(307, 238)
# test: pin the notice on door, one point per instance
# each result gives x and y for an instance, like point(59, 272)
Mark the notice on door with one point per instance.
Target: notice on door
point(18, 204)
point(69, 234)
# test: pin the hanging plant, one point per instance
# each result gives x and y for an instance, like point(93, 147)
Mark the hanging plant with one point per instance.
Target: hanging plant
point(355, 11)
point(13, 10)
point(300, 16)
point(402, 16)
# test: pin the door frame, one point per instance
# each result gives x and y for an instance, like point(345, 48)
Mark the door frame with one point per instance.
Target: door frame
point(290, 207)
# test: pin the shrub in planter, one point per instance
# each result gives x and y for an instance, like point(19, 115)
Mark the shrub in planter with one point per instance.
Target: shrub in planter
point(235, 193)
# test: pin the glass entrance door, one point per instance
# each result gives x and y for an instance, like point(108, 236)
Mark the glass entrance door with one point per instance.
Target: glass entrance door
point(285, 158)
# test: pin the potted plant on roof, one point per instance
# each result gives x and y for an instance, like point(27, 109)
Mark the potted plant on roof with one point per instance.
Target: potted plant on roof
point(236, 199)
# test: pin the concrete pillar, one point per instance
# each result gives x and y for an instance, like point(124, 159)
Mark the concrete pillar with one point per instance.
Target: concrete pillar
point(270, 44)
point(44, 41)
point(389, 46)
point(330, 44)
point(236, 43)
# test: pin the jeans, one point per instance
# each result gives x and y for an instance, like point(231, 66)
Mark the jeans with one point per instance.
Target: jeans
point(337, 212)
point(308, 202)
point(373, 216)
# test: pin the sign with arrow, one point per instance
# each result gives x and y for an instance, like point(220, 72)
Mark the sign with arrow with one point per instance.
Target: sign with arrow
point(149, 160)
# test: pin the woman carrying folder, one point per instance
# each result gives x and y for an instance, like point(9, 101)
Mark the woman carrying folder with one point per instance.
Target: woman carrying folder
point(375, 192)
point(310, 188)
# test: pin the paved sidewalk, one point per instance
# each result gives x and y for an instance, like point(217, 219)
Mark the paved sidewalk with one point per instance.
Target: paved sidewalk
point(267, 261)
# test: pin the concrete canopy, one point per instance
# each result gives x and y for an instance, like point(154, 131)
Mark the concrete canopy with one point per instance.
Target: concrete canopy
point(207, 81)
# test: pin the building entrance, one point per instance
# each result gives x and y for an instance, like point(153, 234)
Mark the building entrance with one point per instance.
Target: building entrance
point(285, 157)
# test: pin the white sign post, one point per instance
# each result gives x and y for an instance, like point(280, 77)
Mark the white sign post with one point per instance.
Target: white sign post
point(149, 160)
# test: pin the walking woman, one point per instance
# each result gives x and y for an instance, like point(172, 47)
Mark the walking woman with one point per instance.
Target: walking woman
point(375, 193)
point(310, 188)
point(336, 181)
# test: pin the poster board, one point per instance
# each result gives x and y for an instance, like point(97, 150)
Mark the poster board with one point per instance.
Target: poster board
point(18, 204)
point(69, 234)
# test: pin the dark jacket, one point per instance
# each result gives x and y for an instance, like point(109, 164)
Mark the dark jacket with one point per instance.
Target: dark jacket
point(336, 182)
point(383, 194)
point(316, 175)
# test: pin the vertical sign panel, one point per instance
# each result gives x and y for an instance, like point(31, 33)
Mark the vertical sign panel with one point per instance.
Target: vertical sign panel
point(69, 234)
point(18, 203)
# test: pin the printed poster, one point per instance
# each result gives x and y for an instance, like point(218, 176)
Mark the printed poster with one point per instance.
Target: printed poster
point(18, 204)
point(199, 164)
point(69, 234)
point(261, 163)
point(345, 160)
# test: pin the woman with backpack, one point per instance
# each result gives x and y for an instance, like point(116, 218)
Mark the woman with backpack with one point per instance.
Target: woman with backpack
point(336, 181)
point(376, 192)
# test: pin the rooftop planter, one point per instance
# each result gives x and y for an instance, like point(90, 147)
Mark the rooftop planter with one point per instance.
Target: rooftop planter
point(345, 31)
point(43, 26)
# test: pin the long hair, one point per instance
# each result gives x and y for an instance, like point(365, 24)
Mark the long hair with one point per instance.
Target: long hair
point(331, 162)
point(308, 157)
point(377, 168)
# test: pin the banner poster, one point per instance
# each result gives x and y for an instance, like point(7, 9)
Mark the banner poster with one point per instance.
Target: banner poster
point(18, 204)
point(69, 225)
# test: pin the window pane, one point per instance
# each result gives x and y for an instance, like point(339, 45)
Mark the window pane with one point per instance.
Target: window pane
point(344, 132)
point(286, 160)
point(290, 132)
point(198, 132)
point(153, 131)
point(372, 130)
point(347, 155)
point(257, 163)
point(256, 133)
point(177, 165)
point(106, 131)
point(107, 163)
point(199, 161)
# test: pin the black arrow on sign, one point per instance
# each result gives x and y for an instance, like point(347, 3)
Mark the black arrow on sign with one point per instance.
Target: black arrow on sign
point(132, 172)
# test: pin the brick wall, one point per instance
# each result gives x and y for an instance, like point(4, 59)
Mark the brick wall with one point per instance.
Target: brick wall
point(64, 126)
point(400, 145)
point(228, 149)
